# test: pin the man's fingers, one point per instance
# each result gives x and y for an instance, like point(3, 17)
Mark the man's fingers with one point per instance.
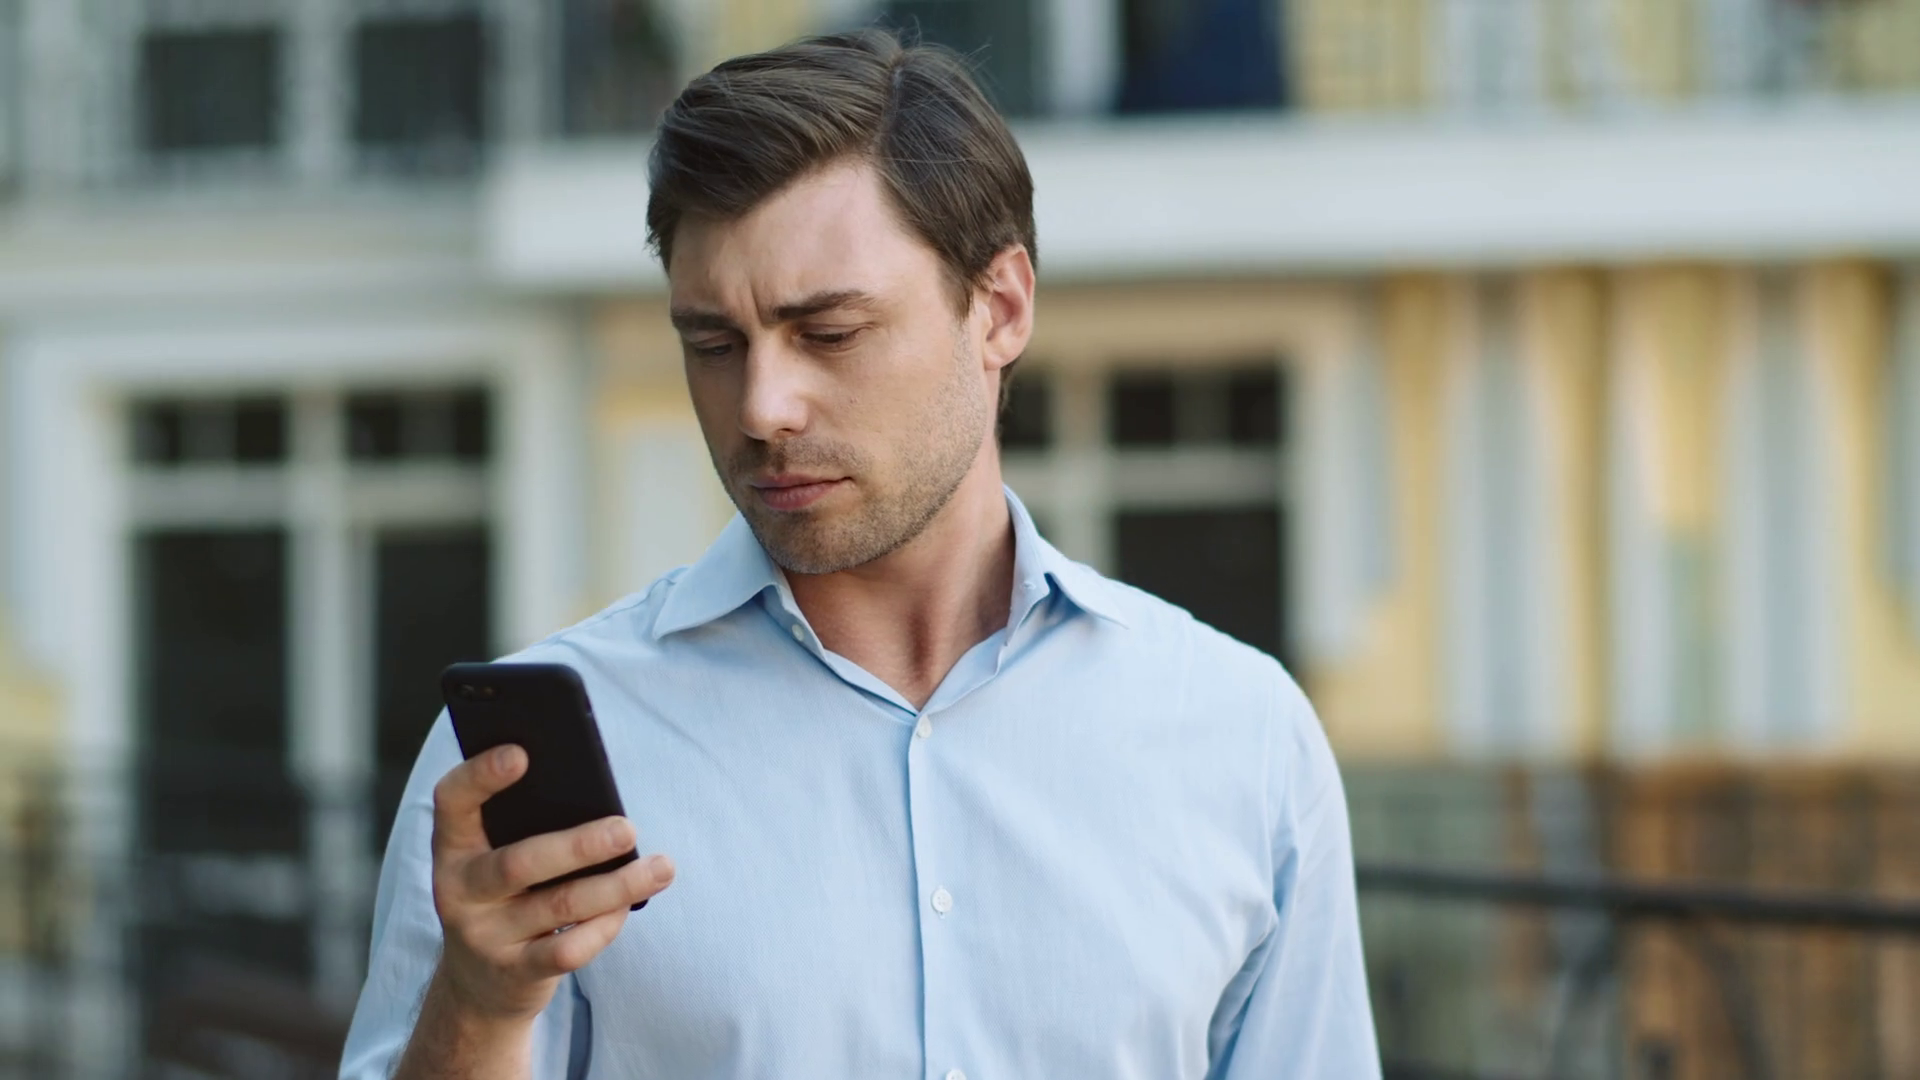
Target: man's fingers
point(542, 912)
point(458, 795)
point(520, 866)
point(569, 950)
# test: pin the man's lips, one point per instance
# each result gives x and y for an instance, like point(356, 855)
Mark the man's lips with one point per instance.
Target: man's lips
point(793, 492)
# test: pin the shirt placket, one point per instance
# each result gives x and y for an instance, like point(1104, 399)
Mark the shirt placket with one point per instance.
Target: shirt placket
point(940, 899)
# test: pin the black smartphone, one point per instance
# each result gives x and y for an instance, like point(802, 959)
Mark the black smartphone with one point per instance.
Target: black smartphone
point(543, 709)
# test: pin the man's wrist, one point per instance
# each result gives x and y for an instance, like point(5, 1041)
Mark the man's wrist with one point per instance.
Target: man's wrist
point(456, 1037)
point(475, 1010)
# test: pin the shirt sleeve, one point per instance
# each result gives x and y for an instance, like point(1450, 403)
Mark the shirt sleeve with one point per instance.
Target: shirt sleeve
point(406, 945)
point(1299, 1009)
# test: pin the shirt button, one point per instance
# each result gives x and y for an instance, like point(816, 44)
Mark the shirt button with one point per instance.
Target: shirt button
point(923, 729)
point(942, 902)
point(799, 633)
point(956, 1074)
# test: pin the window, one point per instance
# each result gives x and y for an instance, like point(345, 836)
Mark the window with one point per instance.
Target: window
point(268, 624)
point(1235, 406)
point(1197, 520)
point(618, 66)
point(431, 608)
point(213, 678)
point(997, 35)
point(1140, 410)
point(419, 94)
point(218, 809)
point(1171, 478)
point(1221, 565)
point(1026, 422)
point(416, 426)
point(210, 89)
point(247, 431)
point(1185, 55)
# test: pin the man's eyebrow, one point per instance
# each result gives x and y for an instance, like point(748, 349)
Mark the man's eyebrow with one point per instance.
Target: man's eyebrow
point(828, 300)
point(686, 319)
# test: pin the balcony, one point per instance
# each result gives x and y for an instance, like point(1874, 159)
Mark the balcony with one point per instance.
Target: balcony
point(1351, 135)
point(261, 96)
point(180, 94)
point(1338, 135)
point(1596, 57)
point(1483, 58)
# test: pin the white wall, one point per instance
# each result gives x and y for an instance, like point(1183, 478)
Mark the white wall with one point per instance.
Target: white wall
point(1213, 195)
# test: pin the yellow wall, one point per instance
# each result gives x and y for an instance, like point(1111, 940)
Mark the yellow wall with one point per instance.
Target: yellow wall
point(749, 26)
point(1566, 318)
point(1383, 702)
point(640, 391)
point(1347, 56)
point(1852, 327)
point(1875, 45)
point(1676, 324)
point(29, 710)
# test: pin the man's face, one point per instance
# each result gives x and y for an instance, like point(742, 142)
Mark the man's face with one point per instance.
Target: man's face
point(842, 397)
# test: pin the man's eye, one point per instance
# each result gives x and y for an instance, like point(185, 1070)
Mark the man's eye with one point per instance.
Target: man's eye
point(713, 351)
point(831, 339)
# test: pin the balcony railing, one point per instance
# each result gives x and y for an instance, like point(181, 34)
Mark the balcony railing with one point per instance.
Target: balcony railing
point(1573, 56)
point(1643, 924)
point(1735, 938)
point(272, 94)
point(1633, 925)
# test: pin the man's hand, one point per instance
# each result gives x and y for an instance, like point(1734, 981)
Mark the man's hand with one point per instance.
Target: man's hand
point(502, 956)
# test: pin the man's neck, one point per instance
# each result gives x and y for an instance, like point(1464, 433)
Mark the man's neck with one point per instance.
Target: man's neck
point(910, 616)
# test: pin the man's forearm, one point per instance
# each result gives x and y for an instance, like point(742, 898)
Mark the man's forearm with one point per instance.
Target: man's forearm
point(451, 1043)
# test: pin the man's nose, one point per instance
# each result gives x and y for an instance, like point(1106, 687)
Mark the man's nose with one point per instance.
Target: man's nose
point(774, 404)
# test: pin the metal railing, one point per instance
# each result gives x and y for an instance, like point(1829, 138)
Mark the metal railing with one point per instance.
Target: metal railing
point(1706, 922)
point(382, 90)
point(1774, 934)
point(1595, 56)
point(1642, 923)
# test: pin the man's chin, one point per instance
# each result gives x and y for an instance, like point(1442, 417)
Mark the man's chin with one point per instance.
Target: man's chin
point(798, 541)
point(815, 547)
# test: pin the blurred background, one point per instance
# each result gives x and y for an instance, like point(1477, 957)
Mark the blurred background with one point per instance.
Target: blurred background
point(1539, 379)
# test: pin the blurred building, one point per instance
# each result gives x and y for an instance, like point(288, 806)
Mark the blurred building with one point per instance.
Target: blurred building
point(1539, 378)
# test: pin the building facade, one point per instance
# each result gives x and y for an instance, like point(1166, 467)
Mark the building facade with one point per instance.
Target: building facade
point(1540, 379)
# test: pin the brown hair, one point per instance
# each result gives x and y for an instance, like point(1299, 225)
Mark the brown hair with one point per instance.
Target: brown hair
point(754, 124)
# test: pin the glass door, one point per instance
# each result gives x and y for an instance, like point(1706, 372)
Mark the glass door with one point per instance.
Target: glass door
point(431, 608)
point(303, 566)
point(221, 829)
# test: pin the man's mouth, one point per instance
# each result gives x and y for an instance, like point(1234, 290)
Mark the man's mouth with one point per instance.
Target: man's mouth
point(794, 491)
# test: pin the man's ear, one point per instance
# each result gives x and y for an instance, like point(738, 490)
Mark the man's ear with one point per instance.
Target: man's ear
point(1006, 297)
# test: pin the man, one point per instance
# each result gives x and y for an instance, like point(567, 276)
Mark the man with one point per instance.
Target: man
point(943, 802)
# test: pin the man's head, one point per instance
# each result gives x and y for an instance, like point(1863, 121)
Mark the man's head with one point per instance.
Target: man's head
point(847, 226)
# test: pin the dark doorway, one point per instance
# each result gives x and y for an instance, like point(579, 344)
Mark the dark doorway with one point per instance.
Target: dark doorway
point(1191, 55)
point(220, 825)
point(432, 607)
point(1224, 566)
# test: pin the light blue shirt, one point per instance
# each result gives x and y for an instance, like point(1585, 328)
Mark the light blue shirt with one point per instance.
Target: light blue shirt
point(1112, 845)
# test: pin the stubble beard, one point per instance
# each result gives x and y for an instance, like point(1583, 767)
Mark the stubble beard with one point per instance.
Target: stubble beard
point(891, 511)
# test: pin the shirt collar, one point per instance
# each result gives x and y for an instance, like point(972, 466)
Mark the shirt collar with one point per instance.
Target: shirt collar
point(736, 569)
point(1035, 560)
point(733, 571)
